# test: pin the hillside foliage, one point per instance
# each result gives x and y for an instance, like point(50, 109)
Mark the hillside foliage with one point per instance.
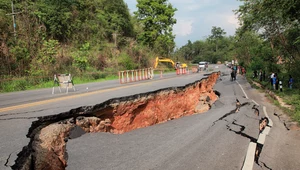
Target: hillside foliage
point(101, 37)
point(77, 36)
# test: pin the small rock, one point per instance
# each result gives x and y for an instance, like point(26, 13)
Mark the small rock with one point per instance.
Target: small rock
point(107, 121)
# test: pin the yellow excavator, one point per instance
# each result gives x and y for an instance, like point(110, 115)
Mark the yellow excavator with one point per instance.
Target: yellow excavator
point(176, 65)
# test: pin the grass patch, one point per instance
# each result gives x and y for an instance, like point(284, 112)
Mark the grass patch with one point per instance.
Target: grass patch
point(289, 96)
point(31, 83)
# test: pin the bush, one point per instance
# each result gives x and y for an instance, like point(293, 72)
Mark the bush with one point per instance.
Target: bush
point(127, 62)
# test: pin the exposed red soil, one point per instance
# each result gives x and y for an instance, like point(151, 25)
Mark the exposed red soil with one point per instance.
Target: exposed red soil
point(47, 149)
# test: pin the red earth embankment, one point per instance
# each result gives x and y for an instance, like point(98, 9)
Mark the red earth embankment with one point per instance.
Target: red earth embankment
point(49, 134)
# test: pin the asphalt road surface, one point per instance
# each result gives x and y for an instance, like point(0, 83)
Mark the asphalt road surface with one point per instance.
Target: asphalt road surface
point(217, 139)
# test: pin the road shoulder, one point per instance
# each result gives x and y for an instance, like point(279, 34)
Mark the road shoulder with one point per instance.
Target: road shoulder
point(281, 149)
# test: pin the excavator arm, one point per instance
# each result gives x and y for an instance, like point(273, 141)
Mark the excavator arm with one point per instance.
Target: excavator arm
point(157, 60)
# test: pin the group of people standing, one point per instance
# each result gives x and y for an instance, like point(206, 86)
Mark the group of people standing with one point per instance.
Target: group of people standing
point(261, 74)
point(275, 82)
point(235, 70)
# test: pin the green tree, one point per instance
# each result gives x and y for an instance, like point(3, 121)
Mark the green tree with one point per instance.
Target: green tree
point(217, 34)
point(81, 57)
point(44, 63)
point(157, 18)
point(118, 17)
point(276, 22)
point(5, 29)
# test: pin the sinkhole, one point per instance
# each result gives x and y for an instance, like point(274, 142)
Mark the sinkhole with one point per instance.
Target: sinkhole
point(50, 134)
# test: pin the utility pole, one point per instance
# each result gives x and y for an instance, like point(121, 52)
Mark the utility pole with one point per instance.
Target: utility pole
point(115, 35)
point(13, 17)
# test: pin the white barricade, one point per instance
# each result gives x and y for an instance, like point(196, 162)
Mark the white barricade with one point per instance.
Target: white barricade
point(181, 71)
point(128, 76)
point(63, 81)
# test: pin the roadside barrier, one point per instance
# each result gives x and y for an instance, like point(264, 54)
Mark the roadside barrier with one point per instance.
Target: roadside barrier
point(63, 81)
point(181, 71)
point(128, 76)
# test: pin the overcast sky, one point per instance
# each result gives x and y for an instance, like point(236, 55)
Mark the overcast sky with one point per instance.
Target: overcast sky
point(195, 18)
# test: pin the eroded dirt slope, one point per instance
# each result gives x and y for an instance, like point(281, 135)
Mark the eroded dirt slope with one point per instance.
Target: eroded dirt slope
point(49, 135)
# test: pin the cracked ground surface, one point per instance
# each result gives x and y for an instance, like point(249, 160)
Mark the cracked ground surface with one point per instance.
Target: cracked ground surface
point(281, 149)
point(16, 122)
point(217, 139)
point(213, 140)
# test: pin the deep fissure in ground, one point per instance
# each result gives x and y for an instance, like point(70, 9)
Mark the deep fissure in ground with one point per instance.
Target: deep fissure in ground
point(49, 134)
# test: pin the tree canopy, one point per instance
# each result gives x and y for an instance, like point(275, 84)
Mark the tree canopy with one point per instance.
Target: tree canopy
point(217, 47)
point(157, 18)
point(101, 35)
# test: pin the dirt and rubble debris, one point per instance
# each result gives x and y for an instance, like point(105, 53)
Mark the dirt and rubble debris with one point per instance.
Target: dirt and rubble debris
point(234, 111)
point(50, 134)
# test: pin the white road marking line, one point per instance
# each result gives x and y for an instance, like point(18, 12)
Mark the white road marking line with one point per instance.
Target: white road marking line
point(261, 138)
point(242, 89)
point(266, 114)
point(255, 102)
point(267, 130)
point(265, 111)
point(249, 160)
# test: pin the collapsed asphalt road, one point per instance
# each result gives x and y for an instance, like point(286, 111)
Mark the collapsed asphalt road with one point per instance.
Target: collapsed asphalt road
point(49, 135)
point(18, 110)
point(217, 139)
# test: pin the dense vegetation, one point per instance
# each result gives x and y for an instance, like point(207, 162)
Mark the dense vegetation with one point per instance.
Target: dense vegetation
point(101, 37)
point(217, 47)
point(94, 39)
point(90, 39)
point(268, 40)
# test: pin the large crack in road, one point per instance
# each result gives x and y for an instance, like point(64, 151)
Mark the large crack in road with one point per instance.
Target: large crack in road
point(234, 111)
point(50, 134)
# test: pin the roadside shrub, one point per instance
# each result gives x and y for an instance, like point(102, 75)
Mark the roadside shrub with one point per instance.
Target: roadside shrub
point(296, 116)
point(98, 75)
point(81, 57)
point(127, 62)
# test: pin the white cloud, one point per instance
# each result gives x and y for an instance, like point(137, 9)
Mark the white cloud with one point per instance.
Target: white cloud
point(192, 5)
point(232, 19)
point(226, 21)
point(195, 18)
point(183, 27)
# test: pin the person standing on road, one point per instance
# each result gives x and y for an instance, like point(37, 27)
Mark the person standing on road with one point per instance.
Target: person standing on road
point(291, 80)
point(243, 71)
point(232, 75)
